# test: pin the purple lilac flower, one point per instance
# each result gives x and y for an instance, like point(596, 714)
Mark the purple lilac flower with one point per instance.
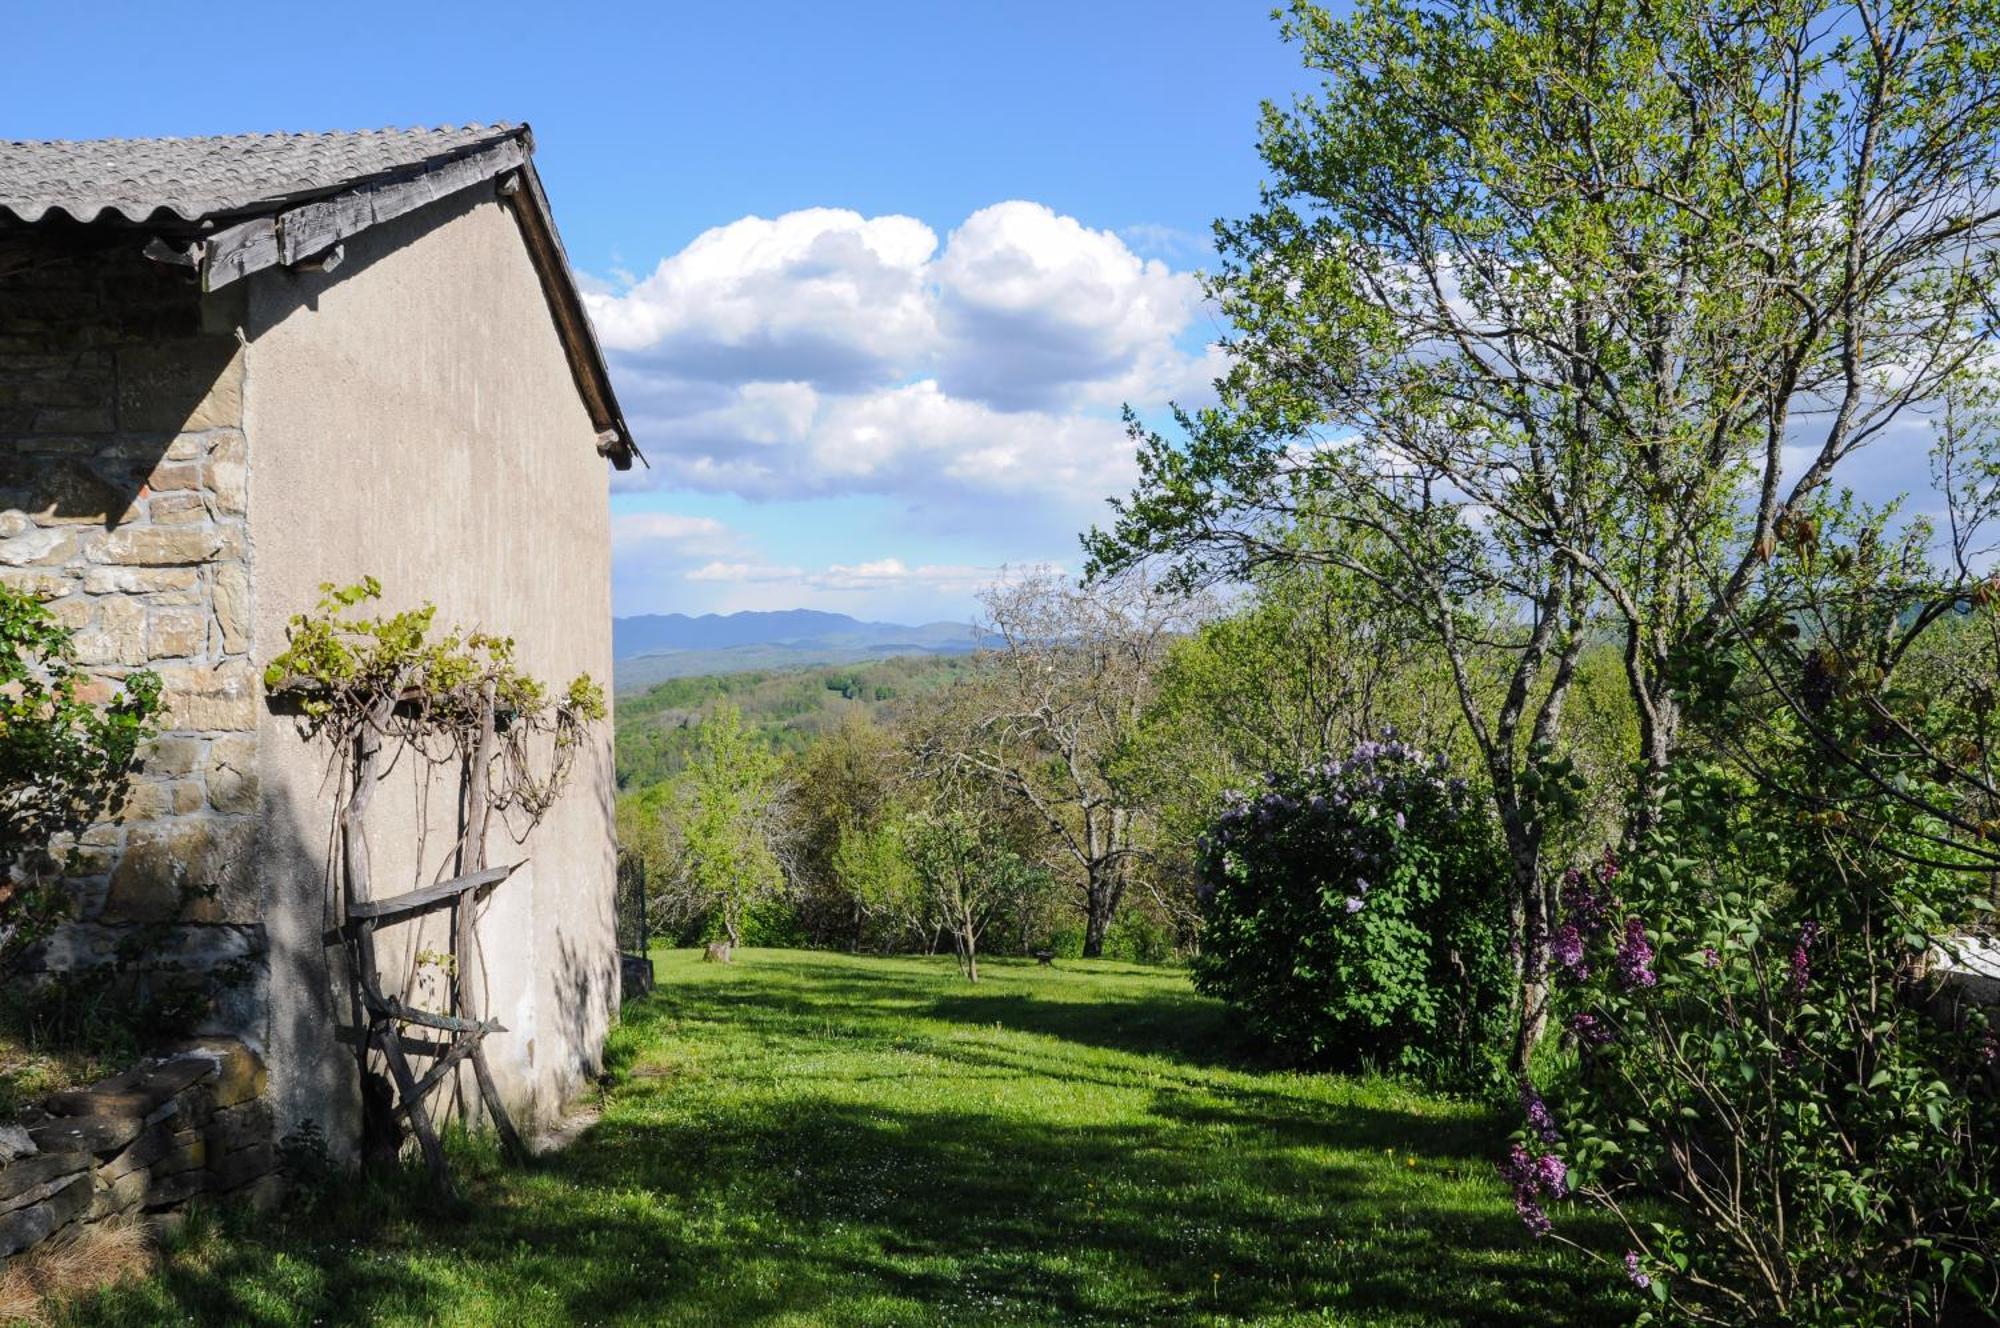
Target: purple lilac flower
point(1568, 946)
point(1540, 1119)
point(1709, 958)
point(1636, 1273)
point(1589, 1030)
point(1354, 903)
point(1801, 961)
point(1635, 956)
point(1989, 1049)
point(1531, 1177)
point(1401, 824)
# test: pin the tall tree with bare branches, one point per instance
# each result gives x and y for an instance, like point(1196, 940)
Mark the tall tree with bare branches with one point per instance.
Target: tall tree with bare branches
point(1050, 719)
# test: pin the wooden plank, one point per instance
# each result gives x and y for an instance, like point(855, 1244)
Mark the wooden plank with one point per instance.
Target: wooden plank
point(413, 1102)
point(431, 896)
point(450, 1023)
point(586, 358)
point(305, 231)
point(435, 1075)
point(311, 228)
point(236, 252)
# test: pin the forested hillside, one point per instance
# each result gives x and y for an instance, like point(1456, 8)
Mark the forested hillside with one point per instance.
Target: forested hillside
point(785, 710)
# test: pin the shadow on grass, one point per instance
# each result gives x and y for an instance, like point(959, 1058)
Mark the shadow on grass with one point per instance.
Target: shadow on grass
point(704, 1197)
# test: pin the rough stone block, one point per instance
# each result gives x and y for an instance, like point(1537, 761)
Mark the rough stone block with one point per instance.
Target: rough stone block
point(118, 636)
point(152, 800)
point(157, 546)
point(36, 546)
point(177, 509)
point(228, 478)
point(140, 1091)
point(31, 1173)
point(14, 1143)
point(43, 585)
point(182, 385)
point(187, 1150)
point(64, 490)
point(29, 1226)
point(174, 476)
point(153, 1143)
point(120, 1194)
point(220, 696)
point(72, 419)
point(242, 1166)
point(173, 755)
point(239, 1073)
point(174, 1190)
point(74, 611)
point(233, 790)
point(176, 633)
point(85, 1134)
point(232, 606)
point(197, 871)
point(139, 580)
point(241, 1126)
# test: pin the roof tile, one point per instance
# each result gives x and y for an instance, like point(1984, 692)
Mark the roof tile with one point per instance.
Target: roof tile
point(134, 179)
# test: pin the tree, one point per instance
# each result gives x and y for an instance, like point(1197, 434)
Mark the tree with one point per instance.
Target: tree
point(731, 801)
point(968, 872)
point(1542, 298)
point(1050, 717)
point(839, 788)
point(871, 863)
point(64, 765)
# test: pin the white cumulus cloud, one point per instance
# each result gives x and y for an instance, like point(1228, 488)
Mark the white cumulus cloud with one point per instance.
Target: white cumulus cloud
point(823, 352)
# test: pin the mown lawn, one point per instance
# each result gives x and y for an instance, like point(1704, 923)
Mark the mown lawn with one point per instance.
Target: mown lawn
point(812, 1139)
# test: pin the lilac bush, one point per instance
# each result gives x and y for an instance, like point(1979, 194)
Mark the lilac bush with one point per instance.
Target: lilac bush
point(1355, 915)
point(1761, 1091)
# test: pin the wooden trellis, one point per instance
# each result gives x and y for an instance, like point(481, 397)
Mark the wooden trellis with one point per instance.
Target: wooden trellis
point(461, 1032)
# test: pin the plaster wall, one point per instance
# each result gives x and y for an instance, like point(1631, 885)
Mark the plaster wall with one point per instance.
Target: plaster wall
point(411, 416)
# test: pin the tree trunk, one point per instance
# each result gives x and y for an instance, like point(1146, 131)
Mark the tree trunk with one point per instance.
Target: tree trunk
point(1529, 917)
point(1096, 920)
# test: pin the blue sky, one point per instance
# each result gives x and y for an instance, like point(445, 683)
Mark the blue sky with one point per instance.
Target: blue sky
point(875, 277)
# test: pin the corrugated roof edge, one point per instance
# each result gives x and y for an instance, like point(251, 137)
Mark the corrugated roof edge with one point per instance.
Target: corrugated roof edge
point(287, 229)
point(169, 212)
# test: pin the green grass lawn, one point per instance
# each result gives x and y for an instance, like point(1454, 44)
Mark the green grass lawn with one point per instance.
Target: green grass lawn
point(813, 1139)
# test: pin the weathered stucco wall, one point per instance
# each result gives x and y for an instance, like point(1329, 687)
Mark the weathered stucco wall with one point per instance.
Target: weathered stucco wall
point(411, 416)
point(122, 505)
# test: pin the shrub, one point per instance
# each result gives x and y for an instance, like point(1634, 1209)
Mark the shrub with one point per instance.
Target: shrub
point(1355, 915)
point(63, 765)
point(1763, 1095)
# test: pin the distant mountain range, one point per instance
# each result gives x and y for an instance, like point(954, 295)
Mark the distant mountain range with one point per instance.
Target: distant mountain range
point(653, 647)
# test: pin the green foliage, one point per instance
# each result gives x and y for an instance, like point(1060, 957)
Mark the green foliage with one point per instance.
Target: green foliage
point(730, 789)
point(1766, 1092)
point(64, 763)
point(872, 866)
point(1354, 917)
point(789, 711)
point(340, 663)
point(351, 673)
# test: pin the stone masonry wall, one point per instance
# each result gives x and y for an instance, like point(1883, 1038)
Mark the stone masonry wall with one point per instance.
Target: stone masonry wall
point(123, 493)
point(146, 1141)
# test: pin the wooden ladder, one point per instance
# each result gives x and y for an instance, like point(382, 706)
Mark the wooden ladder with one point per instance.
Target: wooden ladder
point(461, 1035)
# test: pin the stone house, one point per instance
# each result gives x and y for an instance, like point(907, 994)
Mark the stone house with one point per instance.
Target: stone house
point(233, 369)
